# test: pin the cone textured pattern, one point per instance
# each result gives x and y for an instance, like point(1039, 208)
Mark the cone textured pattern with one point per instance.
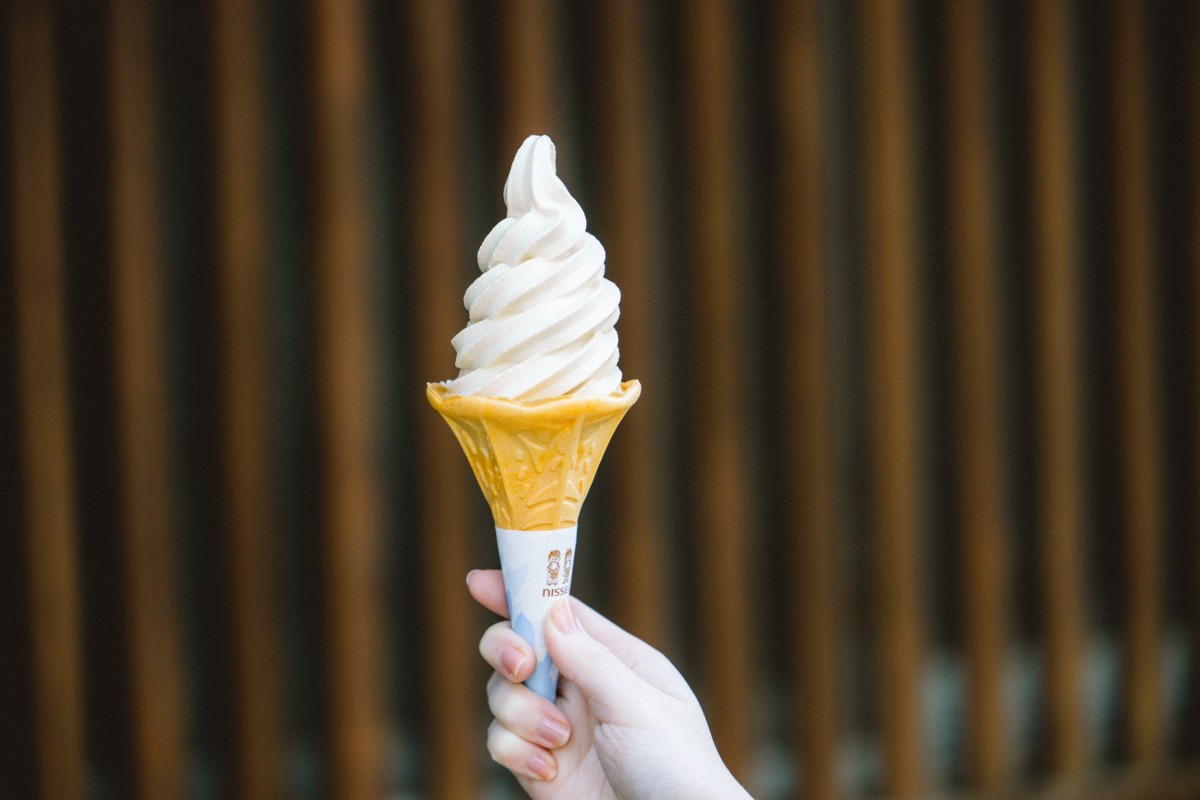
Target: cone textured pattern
point(534, 460)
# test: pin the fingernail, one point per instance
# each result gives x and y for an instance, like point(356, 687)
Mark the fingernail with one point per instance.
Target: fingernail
point(541, 767)
point(564, 620)
point(469, 574)
point(511, 659)
point(553, 732)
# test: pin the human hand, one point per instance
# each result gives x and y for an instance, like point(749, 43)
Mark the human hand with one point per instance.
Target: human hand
point(625, 725)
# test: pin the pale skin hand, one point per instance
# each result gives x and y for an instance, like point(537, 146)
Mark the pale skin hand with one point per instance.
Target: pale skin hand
point(626, 724)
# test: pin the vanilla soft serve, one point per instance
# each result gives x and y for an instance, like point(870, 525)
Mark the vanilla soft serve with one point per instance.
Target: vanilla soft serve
point(541, 314)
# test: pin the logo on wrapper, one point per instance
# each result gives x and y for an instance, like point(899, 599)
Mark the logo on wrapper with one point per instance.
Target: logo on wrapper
point(556, 565)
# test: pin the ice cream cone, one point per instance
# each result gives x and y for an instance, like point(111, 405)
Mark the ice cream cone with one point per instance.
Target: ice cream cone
point(534, 460)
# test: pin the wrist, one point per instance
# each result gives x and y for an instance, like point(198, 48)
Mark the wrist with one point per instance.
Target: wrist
point(732, 790)
point(722, 786)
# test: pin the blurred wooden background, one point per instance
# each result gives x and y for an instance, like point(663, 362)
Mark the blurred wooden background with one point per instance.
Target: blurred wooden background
point(913, 289)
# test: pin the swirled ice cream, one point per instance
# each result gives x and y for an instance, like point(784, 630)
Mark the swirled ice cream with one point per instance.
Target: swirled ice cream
point(541, 314)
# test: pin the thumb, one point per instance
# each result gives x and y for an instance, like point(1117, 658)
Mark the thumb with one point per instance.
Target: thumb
point(611, 688)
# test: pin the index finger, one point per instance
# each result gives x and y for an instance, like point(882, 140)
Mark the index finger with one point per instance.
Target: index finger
point(487, 587)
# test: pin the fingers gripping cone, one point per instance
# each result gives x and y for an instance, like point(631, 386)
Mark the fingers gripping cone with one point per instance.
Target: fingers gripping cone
point(534, 461)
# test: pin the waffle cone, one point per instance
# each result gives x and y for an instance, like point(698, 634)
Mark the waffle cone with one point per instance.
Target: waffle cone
point(534, 460)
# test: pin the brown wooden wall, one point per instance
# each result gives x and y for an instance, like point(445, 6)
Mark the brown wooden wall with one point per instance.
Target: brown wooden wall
point(912, 287)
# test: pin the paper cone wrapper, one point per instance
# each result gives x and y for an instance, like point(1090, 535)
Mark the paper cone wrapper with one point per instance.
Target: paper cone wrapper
point(535, 461)
point(537, 568)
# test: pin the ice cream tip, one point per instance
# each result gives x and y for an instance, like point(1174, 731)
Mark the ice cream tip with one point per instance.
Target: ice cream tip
point(541, 313)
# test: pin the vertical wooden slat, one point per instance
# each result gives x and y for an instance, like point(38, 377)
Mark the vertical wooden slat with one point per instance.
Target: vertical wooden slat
point(156, 663)
point(43, 405)
point(528, 70)
point(445, 521)
point(1138, 387)
point(346, 394)
point(974, 299)
point(1191, 726)
point(721, 481)
point(625, 203)
point(892, 382)
point(245, 314)
point(807, 418)
point(1054, 209)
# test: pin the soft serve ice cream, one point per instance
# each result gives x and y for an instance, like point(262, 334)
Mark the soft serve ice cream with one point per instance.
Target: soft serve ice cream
point(538, 394)
point(541, 314)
